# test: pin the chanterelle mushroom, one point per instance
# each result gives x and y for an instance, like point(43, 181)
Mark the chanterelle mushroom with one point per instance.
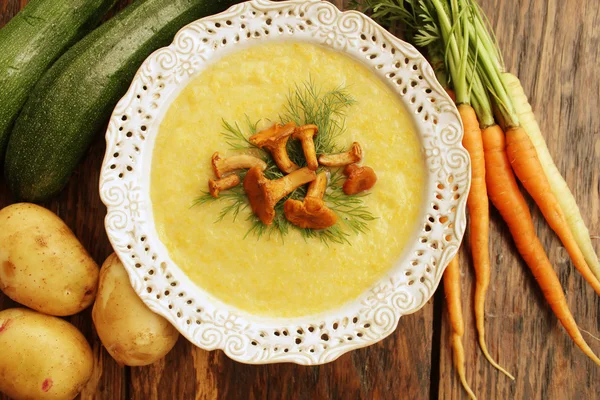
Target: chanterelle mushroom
point(359, 179)
point(318, 186)
point(223, 165)
point(312, 212)
point(264, 193)
point(275, 140)
point(305, 134)
point(352, 156)
point(215, 187)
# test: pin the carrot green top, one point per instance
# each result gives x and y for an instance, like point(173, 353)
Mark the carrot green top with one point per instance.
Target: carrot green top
point(456, 32)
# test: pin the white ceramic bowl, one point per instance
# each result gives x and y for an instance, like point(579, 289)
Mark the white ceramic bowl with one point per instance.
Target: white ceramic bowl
point(210, 324)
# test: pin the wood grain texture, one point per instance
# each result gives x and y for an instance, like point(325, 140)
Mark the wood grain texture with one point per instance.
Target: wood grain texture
point(555, 52)
point(553, 46)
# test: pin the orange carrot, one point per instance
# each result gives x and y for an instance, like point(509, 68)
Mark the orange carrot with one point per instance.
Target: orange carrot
point(452, 291)
point(562, 192)
point(526, 164)
point(479, 223)
point(506, 197)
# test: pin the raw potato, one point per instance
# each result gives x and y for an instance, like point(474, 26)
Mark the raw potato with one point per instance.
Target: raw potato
point(42, 357)
point(42, 264)
point(131, 333)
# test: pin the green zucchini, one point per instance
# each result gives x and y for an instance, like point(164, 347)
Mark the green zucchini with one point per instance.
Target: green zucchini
point(32, 41)
point(75, 98)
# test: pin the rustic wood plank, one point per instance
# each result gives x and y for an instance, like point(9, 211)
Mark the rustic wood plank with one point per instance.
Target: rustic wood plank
point(534, 28)
point(553, 46)
point(399, 364)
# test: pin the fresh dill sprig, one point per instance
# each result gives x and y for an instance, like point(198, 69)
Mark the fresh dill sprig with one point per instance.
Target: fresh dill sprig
point(235, 198)
point(418, 23)
point(306, 104)
point(279, 227)
point(272, 171)
point(351, 210)
point(334, 234)
point(235, 138)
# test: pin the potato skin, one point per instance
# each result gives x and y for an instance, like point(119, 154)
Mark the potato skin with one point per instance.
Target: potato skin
point(130, 332)
point(42, 264)
point(43, 357)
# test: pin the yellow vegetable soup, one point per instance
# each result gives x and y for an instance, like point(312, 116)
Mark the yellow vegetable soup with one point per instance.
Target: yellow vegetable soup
point(270, 276)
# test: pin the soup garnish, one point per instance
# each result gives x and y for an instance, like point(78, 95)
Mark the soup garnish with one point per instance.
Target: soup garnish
point(288, 156)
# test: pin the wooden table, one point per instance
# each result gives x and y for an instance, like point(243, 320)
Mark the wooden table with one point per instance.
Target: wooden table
point(554, 47)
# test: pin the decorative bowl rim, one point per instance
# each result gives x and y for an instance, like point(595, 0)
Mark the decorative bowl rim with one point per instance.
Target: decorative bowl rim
point(204, 320)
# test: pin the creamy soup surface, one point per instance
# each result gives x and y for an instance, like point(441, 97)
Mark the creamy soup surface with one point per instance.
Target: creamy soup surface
point(271, 277)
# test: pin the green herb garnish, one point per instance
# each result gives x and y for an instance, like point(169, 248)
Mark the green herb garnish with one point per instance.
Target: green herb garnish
point(306, 104)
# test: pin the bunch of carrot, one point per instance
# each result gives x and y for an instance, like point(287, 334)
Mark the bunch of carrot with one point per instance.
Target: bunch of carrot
point(503, 140)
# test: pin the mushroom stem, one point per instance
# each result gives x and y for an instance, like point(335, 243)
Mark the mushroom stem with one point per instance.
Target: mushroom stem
point(215, 187)
point(305, 134)
point(275, 140)
point(352, 156)
point(282, 159)
point(317, 187)
point(312, 213)
point(263, 193)
point(223, 165)
point(283, 186)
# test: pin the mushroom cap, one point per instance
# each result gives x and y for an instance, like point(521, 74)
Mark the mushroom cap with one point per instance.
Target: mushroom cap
point(215, 160)
point(213, 188)
point(312, 213)
point(273, 136)
point(359, 179)
point(260, 198)
point(305, 131)
point(275, 140)
point(356, 150)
